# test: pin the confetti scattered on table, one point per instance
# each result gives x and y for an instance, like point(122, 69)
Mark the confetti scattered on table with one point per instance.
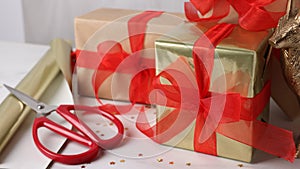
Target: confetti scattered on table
point(98, 124)
point(97, 131)
point(140, 155)
point(171, 162)
point(122, 161)
point(112, 163)
point(101, 135)
point(126, 128)
point(160, 160)
point(188, 164)
point(240, 165)
point(111, 123)
point(132, 117)
point(83, 166)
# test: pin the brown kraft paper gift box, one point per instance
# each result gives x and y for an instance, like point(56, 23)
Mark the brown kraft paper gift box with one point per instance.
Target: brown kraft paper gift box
point(111, 24)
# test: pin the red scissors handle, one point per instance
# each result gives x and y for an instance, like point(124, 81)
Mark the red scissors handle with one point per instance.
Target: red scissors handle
point(84, 157)
point(88, 138)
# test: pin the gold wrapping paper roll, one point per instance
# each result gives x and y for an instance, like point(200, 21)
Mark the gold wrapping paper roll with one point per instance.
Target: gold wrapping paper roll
point(12, 111)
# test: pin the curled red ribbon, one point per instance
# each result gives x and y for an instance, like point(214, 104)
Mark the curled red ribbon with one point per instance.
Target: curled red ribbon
point(254, 15)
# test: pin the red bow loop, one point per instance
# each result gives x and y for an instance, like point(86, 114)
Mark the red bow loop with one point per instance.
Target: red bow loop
point(219, 8)
point(254, 15)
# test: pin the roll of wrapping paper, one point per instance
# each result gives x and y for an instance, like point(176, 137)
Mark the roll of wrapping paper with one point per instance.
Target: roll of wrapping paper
point(12, 111)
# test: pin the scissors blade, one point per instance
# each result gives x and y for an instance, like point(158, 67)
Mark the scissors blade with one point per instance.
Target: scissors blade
point(37, 106)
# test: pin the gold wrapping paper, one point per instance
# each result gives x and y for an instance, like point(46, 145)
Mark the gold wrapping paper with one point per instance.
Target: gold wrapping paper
point(111, 24)
point(243, 56)
point(12, 111)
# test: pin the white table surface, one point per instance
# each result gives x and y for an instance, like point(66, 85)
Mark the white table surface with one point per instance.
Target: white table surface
point(136, 144)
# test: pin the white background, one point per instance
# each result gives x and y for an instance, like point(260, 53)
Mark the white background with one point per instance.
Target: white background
point(39, 21)
point(11, 21)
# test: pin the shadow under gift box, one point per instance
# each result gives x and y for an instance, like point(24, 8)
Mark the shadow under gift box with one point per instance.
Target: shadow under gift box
point(104, 24)
point(242, 57)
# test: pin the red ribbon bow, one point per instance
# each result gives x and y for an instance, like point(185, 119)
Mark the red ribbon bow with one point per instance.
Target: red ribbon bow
point(228, 114)
point(253, 15)
point(235, 109)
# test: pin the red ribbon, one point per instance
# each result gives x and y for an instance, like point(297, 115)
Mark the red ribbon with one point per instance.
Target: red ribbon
point(236, 111)
point(233, 116)
point(110, 55)
point(253, 15)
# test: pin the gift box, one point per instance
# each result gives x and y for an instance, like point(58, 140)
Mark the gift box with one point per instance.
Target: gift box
point(240, 62)
point(115, 28)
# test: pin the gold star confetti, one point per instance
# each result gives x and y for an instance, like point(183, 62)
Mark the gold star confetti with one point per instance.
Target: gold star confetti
point(188, 164)
point(122, 161)
point(160, 160)
point(111, 123)
point(126, 128)
point(297, 155)
point(240, 165)
point(112, 163)
point(97, 131)
point(171, 162)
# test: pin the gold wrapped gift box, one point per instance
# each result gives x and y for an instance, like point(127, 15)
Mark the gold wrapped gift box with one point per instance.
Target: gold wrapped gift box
point(241, 58)
point(112, 24)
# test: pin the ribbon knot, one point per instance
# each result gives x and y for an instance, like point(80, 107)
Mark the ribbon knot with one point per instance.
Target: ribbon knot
point(228, 114)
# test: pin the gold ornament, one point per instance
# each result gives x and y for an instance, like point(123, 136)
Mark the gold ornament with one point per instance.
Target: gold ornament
point(287, 37)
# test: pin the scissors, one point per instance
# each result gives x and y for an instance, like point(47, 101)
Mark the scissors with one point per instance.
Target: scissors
point(86, 136)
